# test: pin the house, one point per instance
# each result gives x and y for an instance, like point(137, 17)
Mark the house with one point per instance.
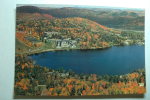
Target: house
point(55, 38)
point(50, 34)
point(41, 87)
point(66, 43)
point(64, 74)
point(127, 42)
point(73, 44)
point(141, 84)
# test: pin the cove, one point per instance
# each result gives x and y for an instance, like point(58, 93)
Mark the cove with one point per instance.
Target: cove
point(116, 60)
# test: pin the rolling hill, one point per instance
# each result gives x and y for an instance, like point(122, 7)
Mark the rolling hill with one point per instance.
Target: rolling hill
point(40, 29)
point(114, 18)
point(34, 16)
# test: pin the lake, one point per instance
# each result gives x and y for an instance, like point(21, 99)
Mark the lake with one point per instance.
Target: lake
point(113, 61)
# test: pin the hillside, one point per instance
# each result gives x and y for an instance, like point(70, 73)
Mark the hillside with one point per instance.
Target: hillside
point(35, 80)
point(34, 16)
point(47, 32)
point(28, 9)
point(114, 18)
point(78, 28)
point(86, 33)
point(21, 47)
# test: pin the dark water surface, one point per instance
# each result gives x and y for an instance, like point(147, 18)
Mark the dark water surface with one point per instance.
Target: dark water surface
point(114, 60)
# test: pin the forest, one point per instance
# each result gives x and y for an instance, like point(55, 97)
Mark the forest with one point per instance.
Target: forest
point(34, 80)
point(51, 29)
point(86, 34)
point(132, 19)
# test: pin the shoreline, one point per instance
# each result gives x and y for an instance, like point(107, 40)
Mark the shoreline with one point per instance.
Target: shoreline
point(53, 50)
point(70, 49)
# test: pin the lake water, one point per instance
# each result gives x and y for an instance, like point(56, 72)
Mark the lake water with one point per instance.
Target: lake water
point(112, 61)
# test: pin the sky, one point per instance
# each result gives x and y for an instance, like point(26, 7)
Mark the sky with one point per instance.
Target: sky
point(113, 3)
point(75, 6)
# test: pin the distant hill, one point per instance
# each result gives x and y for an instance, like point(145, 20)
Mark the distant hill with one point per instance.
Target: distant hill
point(32, 16)
point(114, 18)
point(29, 9)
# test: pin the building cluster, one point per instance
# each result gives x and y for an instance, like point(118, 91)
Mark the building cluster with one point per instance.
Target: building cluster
point(60, 43)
